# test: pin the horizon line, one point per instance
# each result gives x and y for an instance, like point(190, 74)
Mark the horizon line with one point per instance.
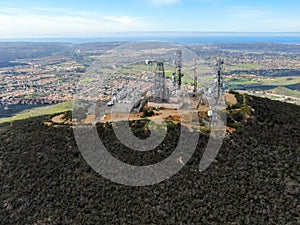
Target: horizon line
point(189, 33)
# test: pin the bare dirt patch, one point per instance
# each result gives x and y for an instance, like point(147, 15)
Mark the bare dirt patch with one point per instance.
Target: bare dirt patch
point(230, 99)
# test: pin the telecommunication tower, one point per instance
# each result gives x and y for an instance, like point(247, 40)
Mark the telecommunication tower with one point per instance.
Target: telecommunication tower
point(178, 64)
point(160, 91)
point(218, 89)
point(195, 79)
point(219, 69)
point(219, 86)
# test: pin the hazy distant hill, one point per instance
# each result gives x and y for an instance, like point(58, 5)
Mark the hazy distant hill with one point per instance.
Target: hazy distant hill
point(286, 92)
point(255, 179)
point(10, 51)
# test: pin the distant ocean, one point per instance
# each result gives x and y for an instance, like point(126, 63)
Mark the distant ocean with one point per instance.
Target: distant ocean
point(284, 38)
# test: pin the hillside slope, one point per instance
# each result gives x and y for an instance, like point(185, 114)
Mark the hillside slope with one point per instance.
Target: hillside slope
point(255, 179)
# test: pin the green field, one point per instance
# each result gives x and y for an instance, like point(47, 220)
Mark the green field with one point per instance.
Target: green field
point(40, 111)
point(286, 92)
point(245, 67)
point(242, 81)
point(276, 81)
point(281, 81)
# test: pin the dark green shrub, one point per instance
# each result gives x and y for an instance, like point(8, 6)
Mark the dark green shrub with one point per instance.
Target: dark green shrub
point(148, 113)
point(238, 116)
point(231, 91)
point(67, 115)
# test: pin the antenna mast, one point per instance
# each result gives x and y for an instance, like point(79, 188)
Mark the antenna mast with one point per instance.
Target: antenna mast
point(195, 79)
point(178, 64)
point(219, 68)
point(160, 90)
point(219, 80)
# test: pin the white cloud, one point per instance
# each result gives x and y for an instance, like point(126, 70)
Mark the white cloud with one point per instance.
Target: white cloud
point(16, 22)
point(247, 12)
point(164, 2)
point(262, 20)
point(123, 19)
point(283, 25)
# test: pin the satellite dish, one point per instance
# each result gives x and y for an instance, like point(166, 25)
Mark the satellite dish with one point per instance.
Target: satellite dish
point(209, 113)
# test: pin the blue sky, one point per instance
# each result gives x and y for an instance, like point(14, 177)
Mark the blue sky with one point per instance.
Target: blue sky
point(40, 18)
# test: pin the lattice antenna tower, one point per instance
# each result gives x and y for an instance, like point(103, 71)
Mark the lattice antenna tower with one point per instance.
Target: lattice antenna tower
point(195, 78)
point(161, 93)
point(219, 67)
point(178, 64)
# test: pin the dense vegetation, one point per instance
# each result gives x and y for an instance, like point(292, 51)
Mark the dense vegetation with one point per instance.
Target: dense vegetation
point(254, 180)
